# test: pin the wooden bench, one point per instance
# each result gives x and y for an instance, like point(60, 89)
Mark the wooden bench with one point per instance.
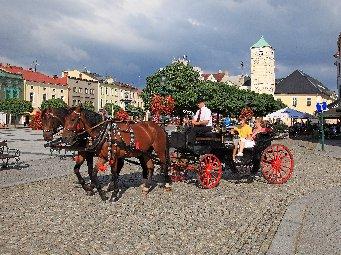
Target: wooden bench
point(8, 156)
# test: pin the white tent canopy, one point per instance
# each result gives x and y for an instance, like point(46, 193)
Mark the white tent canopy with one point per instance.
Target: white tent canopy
point(288, 113)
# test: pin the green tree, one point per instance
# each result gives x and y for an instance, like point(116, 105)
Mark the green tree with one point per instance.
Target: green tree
point(53, 103)
point(89, 106)
point(112, 108)
point(183, 84)
point(135, 111)
point(16, 107)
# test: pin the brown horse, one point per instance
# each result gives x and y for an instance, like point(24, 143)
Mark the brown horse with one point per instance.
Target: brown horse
point(121, 140)
point(53, 120)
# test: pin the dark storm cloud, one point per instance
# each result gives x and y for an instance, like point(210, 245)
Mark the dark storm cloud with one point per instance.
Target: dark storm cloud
point(129, 39)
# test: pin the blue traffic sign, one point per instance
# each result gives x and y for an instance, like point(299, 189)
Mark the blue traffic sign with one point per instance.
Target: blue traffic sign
point(321, 107)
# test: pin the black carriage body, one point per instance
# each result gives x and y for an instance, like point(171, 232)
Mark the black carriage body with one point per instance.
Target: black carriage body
point(213, 143)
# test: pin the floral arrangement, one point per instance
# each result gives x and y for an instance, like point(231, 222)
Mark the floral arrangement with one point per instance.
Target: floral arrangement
point(122, 115)
point(161, 105)
point(36, 123)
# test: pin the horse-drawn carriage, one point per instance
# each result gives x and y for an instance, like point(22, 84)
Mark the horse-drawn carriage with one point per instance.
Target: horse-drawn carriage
point(114, 141)
point(212, 153)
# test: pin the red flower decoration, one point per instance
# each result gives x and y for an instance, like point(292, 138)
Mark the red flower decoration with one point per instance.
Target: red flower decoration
point(122, 115)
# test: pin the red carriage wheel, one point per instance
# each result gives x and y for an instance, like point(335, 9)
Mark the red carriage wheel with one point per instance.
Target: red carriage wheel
point(210, 171)
point(277, 164)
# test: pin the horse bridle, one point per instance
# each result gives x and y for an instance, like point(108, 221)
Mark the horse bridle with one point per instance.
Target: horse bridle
point(78, 120)
point(53, 116)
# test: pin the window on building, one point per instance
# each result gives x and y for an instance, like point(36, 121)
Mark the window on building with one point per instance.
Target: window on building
point(106, 91)
point(101, 103)
point(62, 98)
point(61, 91)
point(53, 96)
point(74, 102)
point(308, 101)
point(86, 91)
point(74, 89)
point(31, 87)
point(53, 90)
point(294, 101)
point(44, 97)
point(80, 90)
point(44, 88)
point(79, 101)
point(31, 97)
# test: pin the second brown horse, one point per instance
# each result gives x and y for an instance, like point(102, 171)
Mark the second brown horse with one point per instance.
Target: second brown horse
point(113, 141)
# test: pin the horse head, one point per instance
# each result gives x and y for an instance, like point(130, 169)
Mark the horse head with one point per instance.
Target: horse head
point(52, 119)
point(79, 121)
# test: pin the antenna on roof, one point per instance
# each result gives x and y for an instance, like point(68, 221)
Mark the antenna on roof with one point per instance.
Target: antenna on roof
point(35, 64)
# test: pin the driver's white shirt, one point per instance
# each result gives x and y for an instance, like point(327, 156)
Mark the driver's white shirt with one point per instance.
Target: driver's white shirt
point(205, 115)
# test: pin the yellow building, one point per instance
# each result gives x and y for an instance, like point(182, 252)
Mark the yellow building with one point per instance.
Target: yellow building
point(39, 87)
point(118, 93)
point(301, 92)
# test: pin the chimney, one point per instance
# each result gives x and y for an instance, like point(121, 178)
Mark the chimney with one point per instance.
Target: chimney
point(55, 76)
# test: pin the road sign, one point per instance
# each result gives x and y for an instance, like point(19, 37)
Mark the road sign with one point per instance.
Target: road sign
point(321, 107)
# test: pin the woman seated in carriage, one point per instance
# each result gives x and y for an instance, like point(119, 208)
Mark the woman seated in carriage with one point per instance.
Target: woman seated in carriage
point(247, 135)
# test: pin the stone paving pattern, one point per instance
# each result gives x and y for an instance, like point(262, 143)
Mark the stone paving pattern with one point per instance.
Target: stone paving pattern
point(54, 216)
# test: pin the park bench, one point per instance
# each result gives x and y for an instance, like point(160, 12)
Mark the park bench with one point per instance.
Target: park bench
point(8, 156)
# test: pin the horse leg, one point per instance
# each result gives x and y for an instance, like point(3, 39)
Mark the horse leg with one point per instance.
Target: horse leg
point(150, 167)
point(144, 170)
point(79, 162)
point(163, 156)
point(90, 163)
point(115, 171)
point(94, 179)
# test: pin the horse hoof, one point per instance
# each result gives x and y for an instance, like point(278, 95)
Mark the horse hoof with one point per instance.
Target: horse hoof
point(90, 192)
point(168, 189)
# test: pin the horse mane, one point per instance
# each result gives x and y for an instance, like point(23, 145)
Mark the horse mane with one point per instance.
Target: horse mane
point(93, 118)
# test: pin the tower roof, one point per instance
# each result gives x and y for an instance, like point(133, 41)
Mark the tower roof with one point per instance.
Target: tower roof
point(261, 43)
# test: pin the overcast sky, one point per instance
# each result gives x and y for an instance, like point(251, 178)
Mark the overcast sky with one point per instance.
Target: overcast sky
point(133, 38)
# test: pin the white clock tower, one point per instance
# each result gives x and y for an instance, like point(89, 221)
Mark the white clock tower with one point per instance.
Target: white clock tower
point(262, 67)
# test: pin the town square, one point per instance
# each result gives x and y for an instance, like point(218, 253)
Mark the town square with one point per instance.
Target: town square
point(195, 132)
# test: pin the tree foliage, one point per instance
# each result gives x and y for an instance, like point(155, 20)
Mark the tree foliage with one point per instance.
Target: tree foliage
point(89, 106)
point(53, 103)
point(112, 108)
point(135, 111)
point(183, 84)
point(16, 107)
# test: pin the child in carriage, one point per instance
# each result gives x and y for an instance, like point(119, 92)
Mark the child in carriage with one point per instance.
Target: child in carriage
point(247, 135)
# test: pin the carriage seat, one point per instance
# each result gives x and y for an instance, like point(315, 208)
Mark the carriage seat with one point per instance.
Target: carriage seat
point(208, 136)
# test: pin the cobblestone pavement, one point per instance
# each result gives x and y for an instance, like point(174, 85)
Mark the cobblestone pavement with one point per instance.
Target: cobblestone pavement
point(55, 216)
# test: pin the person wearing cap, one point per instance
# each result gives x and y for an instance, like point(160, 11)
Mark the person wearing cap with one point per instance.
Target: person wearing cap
point(201, 122)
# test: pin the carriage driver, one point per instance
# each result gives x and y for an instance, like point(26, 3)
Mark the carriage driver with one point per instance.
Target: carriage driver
point(201, 122)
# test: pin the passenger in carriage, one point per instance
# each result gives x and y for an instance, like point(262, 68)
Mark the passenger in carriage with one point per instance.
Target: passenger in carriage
point(249, 140)
point(201, 122)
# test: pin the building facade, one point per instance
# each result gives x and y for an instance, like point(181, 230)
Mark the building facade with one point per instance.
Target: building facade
point(301, 92)
point(11, 85)
point(38, 87)
point(100, 90)
point(119, 94)
point(262, 67)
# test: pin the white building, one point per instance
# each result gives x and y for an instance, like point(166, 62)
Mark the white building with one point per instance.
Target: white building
point(262, 67)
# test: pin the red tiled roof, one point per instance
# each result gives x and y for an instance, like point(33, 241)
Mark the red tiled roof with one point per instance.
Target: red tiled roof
point(205, 75)
point(30, 75)
point(218, 76)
